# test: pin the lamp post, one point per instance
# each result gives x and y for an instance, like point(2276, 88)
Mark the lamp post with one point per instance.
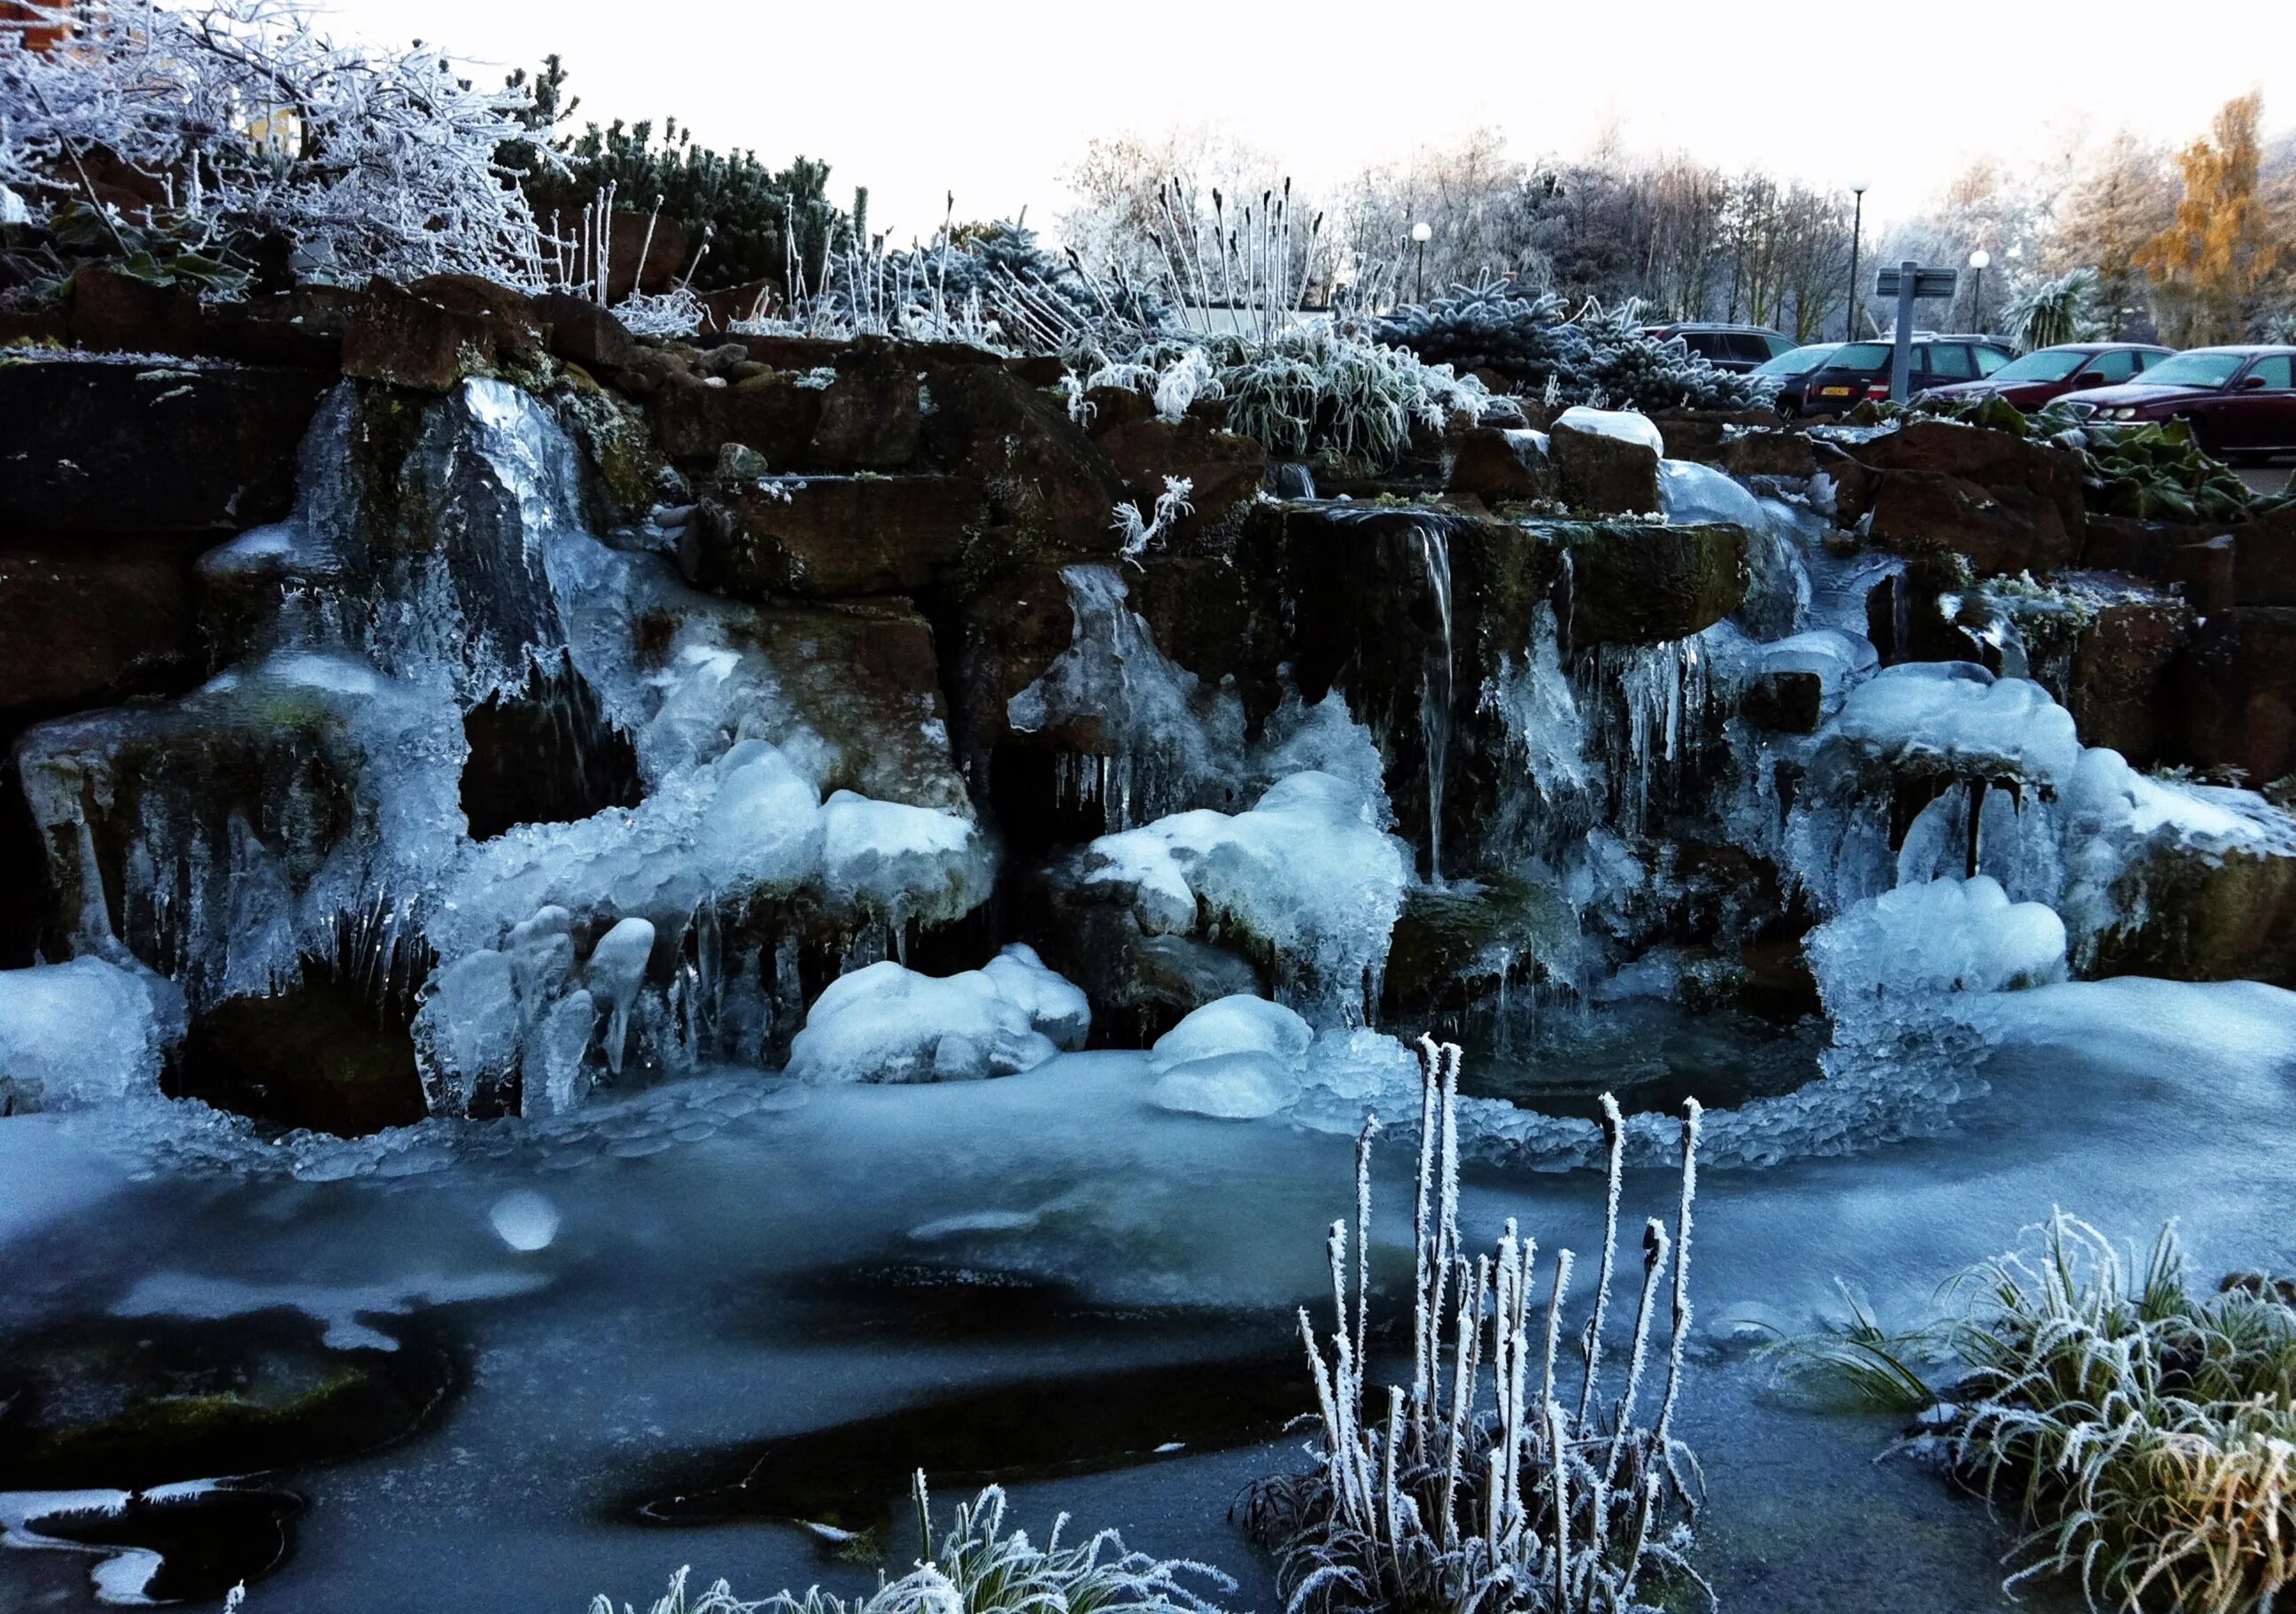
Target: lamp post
point(1857, 228)
point(1977, 260)
point(1421, 232)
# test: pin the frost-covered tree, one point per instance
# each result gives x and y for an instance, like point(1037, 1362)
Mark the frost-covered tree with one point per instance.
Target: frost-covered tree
point(234, 130)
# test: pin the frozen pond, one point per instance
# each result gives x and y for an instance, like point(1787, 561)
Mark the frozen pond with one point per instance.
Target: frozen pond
point(738, 1260)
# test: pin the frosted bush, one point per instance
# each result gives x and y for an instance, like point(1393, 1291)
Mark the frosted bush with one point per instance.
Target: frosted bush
point(886, 1023)
point(1597, 354)
point(1310, 387)
point(365, 162)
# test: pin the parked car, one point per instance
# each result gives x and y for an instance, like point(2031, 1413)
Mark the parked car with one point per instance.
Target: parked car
point(2241, 402)
point(2050, 373)
point(1738, 348)
point(1859, 370)
point(1790, 370)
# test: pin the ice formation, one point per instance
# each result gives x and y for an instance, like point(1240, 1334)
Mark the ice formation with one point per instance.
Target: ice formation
point(1955, 717)
point(1167, 739)
point(1925, 941)
point(87, 1032)
point(887, 1023)
point(320, 776)
point(1243, 1058)
point(1307, 874)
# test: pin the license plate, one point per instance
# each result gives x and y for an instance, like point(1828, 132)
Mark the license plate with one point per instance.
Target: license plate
point(1833, 392)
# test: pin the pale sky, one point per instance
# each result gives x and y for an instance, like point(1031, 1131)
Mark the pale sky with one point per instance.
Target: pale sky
point(993, 99)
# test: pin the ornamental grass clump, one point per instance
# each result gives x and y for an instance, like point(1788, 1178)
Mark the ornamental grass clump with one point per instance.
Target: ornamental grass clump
point(979, 1568)
point(2145, 1435)
point(1487, 1484)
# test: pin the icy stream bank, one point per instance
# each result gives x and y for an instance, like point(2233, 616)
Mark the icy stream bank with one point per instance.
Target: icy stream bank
point(678, 1308)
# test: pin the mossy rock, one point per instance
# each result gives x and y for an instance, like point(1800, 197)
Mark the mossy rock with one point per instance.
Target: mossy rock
point(129, 1403)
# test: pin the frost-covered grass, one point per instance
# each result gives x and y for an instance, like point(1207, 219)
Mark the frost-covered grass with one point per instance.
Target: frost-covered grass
point(980, 1567)
point(1308, 388)
point(2146, 1434)
point(1488, 1489)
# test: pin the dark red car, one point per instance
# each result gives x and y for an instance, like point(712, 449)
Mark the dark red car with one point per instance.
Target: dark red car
point(2241, 402)
point(2050, 373)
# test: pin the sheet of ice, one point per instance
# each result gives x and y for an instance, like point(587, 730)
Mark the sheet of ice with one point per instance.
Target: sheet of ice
point(1624, 425)
point(1957, 717)
point(85, 1032)
point(887, 1023)
point(345, 1310)
point(1306, 872)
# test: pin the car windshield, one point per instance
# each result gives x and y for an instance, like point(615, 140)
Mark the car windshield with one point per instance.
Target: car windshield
point(2048, 365)
point(1799, 361)
point(1860, 356)
point(2193, 370)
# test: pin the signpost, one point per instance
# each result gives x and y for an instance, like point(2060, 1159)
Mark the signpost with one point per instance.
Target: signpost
point(1905, 282)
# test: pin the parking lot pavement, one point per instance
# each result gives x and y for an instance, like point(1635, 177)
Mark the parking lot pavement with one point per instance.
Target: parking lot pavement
point(2267, 478)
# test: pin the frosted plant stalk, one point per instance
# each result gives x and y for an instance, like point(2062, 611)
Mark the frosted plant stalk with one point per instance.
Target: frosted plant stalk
point(1500, 1494)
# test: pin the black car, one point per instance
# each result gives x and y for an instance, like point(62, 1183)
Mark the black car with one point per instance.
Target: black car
point(1860, 371)
point(1792, 372)
point(1736, 347)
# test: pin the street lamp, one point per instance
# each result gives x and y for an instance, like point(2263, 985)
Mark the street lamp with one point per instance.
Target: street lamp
point(1421, 232)
point(1977, 260)
point(1857, 227)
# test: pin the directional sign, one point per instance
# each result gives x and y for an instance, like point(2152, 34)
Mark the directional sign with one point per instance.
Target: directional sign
point(1927, 283)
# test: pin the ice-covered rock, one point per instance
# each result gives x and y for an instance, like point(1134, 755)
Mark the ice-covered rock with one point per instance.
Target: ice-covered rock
point(886, 1023)
point(1226, 1086)
point(83, 1033)
point(1243, 1058)
point(1607, 461)
point(1620, 425)
point(1305, 875)
point(1238, 1059)
point(1955, 717)
point(2194, 881)
point(1925, 941)
point(1240, 1024)
point(1690, 493)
